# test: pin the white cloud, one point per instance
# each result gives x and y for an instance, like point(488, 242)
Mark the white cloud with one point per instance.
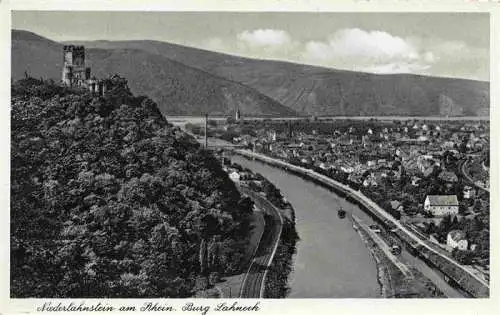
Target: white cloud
point(265, 38)
point(372, 51)
point(374, 44)
point(458, 59)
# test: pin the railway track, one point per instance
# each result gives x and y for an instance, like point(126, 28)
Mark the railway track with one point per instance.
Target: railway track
point(254, 282)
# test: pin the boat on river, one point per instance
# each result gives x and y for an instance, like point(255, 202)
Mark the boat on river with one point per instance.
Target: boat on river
point(341, 213)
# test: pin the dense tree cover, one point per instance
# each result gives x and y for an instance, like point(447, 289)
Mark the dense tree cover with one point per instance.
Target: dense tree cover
point(109, 200)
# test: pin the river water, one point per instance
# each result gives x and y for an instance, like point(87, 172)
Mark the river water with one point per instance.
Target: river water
point(331, 260)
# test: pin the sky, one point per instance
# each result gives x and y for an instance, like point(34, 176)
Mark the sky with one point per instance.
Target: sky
point(436, 44)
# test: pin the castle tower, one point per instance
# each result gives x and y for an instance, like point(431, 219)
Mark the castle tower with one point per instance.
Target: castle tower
point(74, 71)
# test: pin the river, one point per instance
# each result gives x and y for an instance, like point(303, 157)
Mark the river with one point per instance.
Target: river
point(331, 260)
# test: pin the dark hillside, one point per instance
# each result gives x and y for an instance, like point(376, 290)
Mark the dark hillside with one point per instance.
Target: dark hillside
point(108, 200)
point(177, 88)
point(324, 91)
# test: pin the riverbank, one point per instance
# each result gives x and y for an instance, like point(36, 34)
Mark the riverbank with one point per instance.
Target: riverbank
point(276, 285)
point(453, 273)
point(383, 276)
point(396, 277)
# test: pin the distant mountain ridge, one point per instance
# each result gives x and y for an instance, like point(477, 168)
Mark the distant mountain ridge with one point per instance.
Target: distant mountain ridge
point(177, 88)
point(323, 91)
point(281, 88)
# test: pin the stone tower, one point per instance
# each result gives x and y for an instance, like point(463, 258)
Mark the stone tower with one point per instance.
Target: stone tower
point(74, 73)
point(237, 115)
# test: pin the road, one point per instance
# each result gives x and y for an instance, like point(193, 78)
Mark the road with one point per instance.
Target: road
point(254, 282)
point(366, 202)
point(384, 247)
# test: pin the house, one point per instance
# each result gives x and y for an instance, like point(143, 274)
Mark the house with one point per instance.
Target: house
point(469, 192)
point(440, 205)
point(306, 160)
point(382, 162)
point(354, 178)
point(422, 138)
point(428, 171)
point(396, 205)
point(424, 162)
point(271, 135)
point(402, 154)
point(370, 181)
point(347, 169)
point(234, 176)
point(448, 145)
point(457, 239)
point(415, 181)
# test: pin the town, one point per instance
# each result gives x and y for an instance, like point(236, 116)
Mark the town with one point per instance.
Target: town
point(430, 175)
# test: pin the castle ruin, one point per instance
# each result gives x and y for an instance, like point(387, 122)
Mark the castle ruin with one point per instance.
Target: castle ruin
point(76, 74)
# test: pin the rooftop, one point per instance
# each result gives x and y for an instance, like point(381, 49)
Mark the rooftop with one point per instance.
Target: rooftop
point(457, 235)
point(443, 200)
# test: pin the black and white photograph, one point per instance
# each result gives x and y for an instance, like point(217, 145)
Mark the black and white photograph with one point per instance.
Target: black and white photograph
point(249, 155)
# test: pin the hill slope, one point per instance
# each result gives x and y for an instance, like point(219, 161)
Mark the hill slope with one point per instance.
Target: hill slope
point(324, 91)
point(108, 200)
point(186, 90)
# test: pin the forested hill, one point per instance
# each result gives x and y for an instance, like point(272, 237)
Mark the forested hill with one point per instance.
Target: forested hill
point(110, 200)
point(177, 88)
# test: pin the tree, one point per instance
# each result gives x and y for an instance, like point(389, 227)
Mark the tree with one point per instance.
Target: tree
point(463, 207)
point(464, 257)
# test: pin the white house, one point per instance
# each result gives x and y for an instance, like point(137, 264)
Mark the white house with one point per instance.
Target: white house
point(457, 239)
point(271, 135)
point(440, 205)
point(235, 176)
point(415, 181)
point(469, 192)
point(370, 181)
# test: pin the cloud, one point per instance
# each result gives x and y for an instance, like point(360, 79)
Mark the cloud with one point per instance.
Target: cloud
point(371, 51)
point(458, 59)
point(258, 43)
point(265, 38)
